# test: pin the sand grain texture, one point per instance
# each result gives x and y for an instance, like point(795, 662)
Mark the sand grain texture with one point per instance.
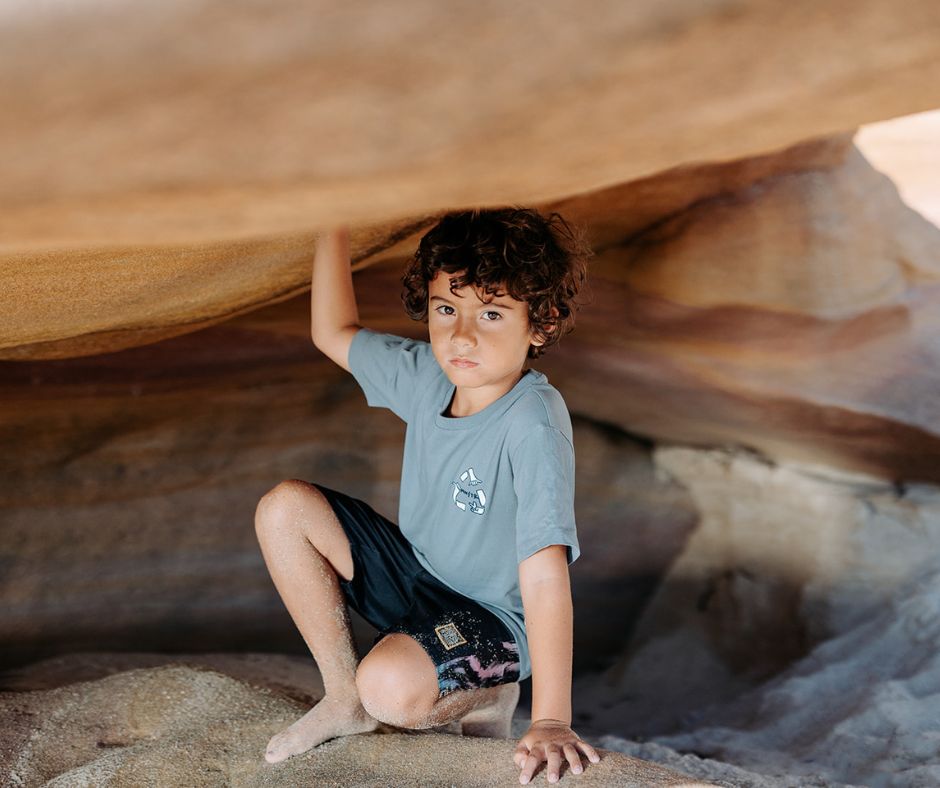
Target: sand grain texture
point(189, 724)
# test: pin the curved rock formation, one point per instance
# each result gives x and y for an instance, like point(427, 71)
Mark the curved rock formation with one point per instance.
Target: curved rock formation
point(784, 562)
point(169, 177)
point(860, 708)
point(792, 309)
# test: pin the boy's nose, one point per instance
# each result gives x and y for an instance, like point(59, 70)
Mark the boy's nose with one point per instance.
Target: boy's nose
point(463, 336)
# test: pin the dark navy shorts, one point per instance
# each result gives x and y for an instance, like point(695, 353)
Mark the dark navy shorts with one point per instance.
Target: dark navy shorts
point(470, 646)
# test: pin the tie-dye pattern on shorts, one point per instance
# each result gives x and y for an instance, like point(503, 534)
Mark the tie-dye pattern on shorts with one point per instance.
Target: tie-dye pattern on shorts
point(469, 673)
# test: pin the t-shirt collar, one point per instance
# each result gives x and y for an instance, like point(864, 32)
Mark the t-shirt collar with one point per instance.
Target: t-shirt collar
point(480, 417)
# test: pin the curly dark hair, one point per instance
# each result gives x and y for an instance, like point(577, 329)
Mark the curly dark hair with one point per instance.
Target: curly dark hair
point(537, 260)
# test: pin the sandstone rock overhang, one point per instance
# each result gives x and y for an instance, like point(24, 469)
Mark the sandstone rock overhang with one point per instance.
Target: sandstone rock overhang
point(165, 166)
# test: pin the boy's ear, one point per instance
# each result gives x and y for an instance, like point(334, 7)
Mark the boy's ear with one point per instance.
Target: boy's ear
point(548, 329)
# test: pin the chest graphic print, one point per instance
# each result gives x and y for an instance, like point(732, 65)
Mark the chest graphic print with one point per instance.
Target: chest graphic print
point(468, 492)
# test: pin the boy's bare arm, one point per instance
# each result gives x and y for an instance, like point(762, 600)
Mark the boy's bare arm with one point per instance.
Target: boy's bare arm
point(546, 599)
point(334, 316)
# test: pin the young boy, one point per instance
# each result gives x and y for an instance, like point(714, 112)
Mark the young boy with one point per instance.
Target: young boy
point(470, 591)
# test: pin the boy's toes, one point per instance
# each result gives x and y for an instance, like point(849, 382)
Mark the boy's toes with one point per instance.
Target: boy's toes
point(279, 749)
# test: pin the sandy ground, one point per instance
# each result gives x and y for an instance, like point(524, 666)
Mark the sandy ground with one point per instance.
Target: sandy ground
point(144, 719)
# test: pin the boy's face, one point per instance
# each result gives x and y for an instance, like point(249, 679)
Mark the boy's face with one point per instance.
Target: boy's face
point(493, 337)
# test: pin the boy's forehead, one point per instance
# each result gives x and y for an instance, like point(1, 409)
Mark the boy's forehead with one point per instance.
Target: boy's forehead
point(440, 286)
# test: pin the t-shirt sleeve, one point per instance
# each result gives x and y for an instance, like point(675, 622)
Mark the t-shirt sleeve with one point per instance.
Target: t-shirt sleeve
point(391, 370)
point(543, 478)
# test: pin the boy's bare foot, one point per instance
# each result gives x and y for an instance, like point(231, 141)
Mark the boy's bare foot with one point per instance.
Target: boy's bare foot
point(495, 720)
point(327, 720)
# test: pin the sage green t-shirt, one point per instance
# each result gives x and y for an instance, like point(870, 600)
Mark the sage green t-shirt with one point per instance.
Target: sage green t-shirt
point(480, 493)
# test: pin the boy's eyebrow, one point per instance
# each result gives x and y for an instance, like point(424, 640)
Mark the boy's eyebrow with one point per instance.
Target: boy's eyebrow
point(489, 303)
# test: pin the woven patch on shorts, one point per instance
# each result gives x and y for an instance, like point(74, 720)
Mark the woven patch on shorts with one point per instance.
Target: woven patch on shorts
point(449, 636)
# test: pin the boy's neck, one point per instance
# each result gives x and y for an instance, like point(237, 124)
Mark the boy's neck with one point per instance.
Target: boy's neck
point(467, 402)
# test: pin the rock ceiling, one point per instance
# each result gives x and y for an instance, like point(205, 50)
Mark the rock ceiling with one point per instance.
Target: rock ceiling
point(167, 166)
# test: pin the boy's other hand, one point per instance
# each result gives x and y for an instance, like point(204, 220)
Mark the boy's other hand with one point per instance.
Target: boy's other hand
point(549, 740)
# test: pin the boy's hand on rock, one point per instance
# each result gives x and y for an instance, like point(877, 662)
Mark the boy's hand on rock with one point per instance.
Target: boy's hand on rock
point(549, 740)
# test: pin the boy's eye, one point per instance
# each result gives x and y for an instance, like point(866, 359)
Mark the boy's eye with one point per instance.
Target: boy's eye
point(490, 315)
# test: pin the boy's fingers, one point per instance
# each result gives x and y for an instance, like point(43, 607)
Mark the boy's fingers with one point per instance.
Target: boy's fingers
point(520, 755)
point(531, 764)
point(574, 760)
point(554, 765)
point(589, 751)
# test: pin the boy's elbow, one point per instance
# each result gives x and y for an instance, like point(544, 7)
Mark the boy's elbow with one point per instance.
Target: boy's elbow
point(335, 345)
point(323, 337)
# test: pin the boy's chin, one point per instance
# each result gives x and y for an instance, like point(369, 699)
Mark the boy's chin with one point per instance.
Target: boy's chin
point(462, 377)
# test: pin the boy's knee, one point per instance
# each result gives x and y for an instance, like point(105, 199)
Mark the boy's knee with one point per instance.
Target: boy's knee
point(394, 690)
point(278, 500)
point(391, 700)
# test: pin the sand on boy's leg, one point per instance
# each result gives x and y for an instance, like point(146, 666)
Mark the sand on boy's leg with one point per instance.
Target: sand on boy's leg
point(493, 718)
point(290, 521)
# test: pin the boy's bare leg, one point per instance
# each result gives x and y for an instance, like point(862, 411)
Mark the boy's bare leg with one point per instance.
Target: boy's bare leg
point(294, 523)
point(493, 719)
point(482, 712)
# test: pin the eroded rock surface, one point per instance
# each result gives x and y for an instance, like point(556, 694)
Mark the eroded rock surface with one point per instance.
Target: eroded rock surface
point(784, 577)
point(793, 310)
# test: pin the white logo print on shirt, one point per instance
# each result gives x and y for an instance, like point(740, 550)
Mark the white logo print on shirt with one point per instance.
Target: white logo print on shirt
point(468, 493)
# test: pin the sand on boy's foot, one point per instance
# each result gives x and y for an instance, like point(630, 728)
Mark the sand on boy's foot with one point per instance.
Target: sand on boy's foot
point(186, 724)
point(324, 721)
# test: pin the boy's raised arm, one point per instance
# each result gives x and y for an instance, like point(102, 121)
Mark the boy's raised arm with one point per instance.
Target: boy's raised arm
point(334, 316)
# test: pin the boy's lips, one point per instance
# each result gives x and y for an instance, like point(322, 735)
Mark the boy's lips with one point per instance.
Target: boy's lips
point(463, 363)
